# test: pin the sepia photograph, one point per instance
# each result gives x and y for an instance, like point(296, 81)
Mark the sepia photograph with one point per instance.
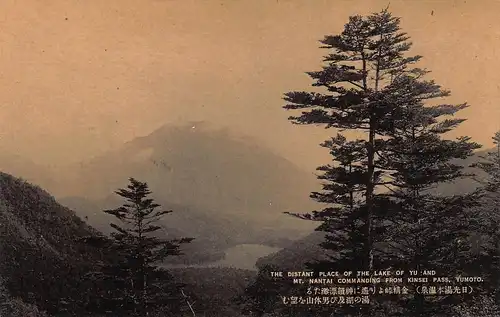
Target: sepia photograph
point(249, 158)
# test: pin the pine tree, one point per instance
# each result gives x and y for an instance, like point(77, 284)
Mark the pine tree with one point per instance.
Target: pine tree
point(132, 281)
point(426, 230)
point(365, 54)
point(381, 212)
point(489, 226)
point(491, 165)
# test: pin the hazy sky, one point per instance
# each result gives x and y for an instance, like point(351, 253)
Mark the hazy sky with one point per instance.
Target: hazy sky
point(79, 77)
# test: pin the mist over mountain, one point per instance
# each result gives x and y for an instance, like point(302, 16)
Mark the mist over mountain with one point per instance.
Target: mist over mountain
point(224, 189)
point(213, 233)
point(198, 165)
point(28, 170)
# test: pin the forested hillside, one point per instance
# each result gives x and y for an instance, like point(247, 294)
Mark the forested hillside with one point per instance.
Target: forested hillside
point(44, 262)
point(42, 259)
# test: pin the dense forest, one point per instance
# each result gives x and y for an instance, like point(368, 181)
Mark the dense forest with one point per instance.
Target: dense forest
point(398, 194)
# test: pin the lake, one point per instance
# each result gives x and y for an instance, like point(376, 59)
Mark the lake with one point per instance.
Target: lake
point(242, 256)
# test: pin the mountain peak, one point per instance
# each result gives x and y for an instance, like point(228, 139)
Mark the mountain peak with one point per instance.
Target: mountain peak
point(200, 165)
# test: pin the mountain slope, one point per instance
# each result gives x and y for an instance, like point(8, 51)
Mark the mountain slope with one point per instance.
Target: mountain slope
point(213, 290)
point(41, 259)
point(196, 165)
point(295, 256)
